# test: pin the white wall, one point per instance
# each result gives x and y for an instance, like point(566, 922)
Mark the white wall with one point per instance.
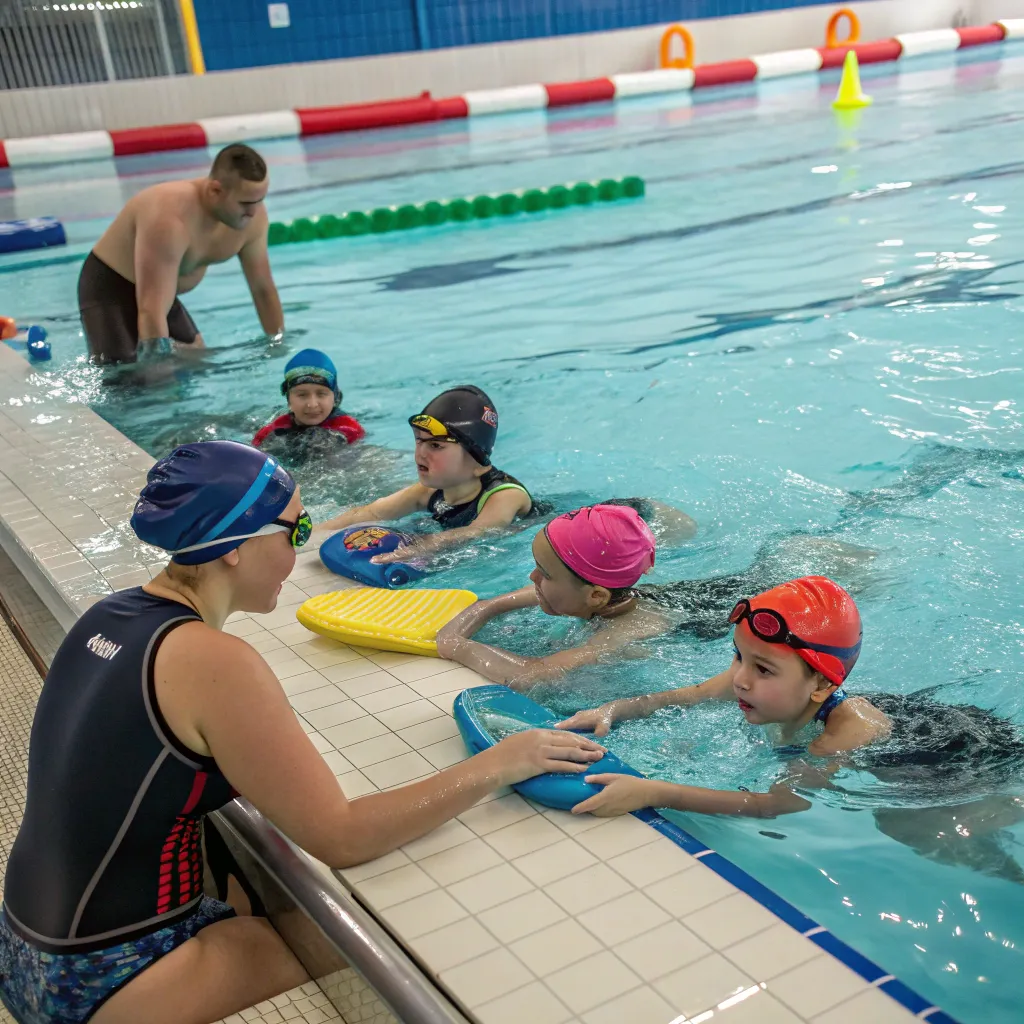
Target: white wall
point(450, 72)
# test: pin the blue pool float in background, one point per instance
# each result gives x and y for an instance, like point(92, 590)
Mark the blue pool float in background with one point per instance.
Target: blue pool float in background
point(349, 551)
point(35, 233)
point(483, 710)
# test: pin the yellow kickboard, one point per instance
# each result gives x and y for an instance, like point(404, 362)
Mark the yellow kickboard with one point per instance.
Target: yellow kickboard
point(389, 620)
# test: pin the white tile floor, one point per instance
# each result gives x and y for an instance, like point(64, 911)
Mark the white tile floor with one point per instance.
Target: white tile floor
point(522, 913)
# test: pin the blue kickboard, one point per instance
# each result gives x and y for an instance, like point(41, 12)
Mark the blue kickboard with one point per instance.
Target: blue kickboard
point(348, 553)
point(562, 790)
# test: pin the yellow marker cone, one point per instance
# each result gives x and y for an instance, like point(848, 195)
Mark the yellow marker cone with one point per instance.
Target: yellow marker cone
point(851, 96)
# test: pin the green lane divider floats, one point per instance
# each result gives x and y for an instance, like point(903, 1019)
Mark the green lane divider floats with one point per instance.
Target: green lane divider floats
point(404, 218)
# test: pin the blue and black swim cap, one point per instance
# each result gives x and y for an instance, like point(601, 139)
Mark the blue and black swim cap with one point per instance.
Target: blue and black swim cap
point(208, 490)
point(311, 366)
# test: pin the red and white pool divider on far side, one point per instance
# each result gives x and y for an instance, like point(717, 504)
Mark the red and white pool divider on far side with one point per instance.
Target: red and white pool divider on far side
point(283, 124)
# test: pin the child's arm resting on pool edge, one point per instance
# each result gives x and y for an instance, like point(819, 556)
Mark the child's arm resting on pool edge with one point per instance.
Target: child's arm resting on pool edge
point(624, 793)
point(516, 670)
point(395, 506)
point(600, 720)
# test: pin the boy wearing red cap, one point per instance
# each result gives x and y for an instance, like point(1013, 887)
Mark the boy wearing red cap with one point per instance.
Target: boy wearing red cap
point(794, 647)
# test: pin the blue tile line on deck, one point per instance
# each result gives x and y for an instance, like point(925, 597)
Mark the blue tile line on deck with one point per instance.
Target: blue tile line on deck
point(798, 921)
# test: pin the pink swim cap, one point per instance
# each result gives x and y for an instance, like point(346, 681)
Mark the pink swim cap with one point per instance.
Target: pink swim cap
point(607, 545)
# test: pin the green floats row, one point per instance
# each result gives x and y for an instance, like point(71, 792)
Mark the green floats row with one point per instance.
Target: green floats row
point(402, 218)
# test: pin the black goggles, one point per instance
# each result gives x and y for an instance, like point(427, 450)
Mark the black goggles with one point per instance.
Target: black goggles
point(300, 529)
point(768, 625)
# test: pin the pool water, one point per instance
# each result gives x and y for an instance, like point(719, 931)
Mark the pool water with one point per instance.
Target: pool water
point(806, 330)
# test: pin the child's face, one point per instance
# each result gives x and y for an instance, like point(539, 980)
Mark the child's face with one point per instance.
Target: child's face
point(310, 404)
point(559, 590)
point(770, 681)
point(441, 464)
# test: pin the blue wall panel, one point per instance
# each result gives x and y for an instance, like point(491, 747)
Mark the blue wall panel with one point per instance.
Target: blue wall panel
point(237, 33)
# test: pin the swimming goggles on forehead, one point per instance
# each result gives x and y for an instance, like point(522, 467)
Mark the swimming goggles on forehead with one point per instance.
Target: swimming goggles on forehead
point(768, 625)
point(300, 530)
point(434, 427)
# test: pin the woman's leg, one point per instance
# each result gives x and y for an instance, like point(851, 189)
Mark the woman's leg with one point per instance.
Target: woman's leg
point(227, 967)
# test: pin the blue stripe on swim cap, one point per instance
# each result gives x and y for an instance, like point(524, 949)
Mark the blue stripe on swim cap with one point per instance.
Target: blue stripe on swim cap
point(256, 488)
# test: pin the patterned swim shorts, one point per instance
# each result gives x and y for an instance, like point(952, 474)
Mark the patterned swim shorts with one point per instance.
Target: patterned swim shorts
point(68, 988)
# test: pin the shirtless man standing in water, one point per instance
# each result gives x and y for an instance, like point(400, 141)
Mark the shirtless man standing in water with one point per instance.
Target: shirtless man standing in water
point(159, 247)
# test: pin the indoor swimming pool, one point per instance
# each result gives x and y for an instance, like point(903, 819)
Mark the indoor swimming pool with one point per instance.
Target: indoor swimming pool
point(807, 332)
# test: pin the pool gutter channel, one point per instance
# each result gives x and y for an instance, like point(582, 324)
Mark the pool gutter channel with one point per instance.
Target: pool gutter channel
point(102, 457)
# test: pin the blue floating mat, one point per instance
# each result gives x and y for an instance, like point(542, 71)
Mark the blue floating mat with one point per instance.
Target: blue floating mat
point(37, 233)
point(487, 714)
point(349, 551)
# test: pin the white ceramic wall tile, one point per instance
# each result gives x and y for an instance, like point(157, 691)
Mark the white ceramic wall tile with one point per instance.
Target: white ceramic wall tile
point(487, 977)
point(619, 835)
point(404, 715)
point(312, 700)
point(423, 914)
point(771, 952)
point(426, 733)
point(394, 887)
point(534, 1003)
point(871, 1005)
point(587, 889)
point(592, 981)
point(446, 753)
point(489, 888)
point(566, 857)
point(662, 950)
point(652, 862)
point(521, 916)
point(375, 750)
point(623, 918)
point(351, 731)
point(816, 986)
point(460, 862)
point(729, 920)
point(386, 699)
point(355, 784)
point(555, 947)
point(372, 868)
point(395, 770)
point(689, 890)
point(641, 1006)
point(702, 984)
point(451, 833)
point(489, 817)
point(454, 944)
point(523, 837)
point(339, 712)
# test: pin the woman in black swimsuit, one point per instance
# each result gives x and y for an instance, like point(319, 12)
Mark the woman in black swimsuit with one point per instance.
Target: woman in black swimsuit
point(150, 718)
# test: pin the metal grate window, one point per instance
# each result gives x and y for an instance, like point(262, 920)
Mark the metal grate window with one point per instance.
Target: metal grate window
point(45, 44)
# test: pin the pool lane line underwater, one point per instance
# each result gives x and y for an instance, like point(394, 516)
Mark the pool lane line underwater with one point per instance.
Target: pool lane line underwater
point(563, 791)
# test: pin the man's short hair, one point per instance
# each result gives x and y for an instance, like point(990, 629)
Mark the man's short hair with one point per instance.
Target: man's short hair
point(238, 161)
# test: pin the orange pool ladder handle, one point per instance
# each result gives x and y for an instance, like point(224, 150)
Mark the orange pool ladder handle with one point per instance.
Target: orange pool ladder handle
point(831, 39)
point(668, 61)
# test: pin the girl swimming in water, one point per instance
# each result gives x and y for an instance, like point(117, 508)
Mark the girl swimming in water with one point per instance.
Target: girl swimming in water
point(588, 564)
point(794, 648)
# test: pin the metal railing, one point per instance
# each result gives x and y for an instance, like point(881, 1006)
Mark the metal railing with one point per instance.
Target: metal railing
point(43, 44)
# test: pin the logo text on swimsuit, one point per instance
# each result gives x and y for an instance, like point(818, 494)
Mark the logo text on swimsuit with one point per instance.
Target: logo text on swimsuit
point(100, 645)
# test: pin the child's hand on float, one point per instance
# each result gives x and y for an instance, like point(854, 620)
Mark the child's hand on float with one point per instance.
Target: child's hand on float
point(620, 795)
point(599, 721)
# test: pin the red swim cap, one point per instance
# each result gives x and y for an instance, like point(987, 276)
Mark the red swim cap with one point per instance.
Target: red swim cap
point(820, 612)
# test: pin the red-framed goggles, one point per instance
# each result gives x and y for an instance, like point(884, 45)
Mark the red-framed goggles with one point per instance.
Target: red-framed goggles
point(768, 625)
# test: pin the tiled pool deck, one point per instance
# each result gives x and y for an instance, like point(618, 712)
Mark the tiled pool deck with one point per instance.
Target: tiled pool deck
point(522, 913)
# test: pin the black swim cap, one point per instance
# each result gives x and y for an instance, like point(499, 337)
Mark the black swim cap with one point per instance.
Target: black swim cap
point(469, 416)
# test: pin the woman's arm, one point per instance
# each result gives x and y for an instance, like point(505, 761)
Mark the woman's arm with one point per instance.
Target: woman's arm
point(600, 720)
point(395, 506)
point(624, 793)
point(217, 693)
point(497, 514)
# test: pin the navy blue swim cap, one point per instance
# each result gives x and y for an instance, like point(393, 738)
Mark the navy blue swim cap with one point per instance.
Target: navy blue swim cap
point(311, 366)
point(207, 490)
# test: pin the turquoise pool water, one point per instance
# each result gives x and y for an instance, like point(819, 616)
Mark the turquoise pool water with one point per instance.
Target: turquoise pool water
point(804, 329)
